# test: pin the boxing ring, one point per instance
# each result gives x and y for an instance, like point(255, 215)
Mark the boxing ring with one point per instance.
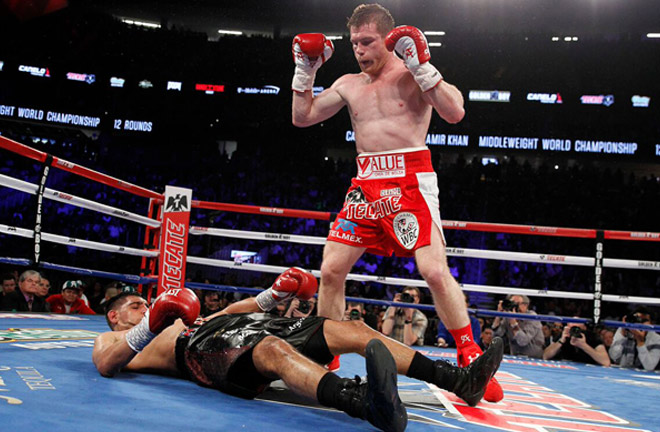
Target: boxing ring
point(48, 381)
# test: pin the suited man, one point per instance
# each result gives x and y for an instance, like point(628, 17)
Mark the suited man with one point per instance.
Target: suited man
point(26, 297)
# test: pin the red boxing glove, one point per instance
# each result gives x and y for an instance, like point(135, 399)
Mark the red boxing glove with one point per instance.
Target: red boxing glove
point(172, 304)
point(293, 282)
point(310, 51)
point(410, 44)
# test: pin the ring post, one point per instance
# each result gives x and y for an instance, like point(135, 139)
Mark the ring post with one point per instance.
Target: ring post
point(174, 238)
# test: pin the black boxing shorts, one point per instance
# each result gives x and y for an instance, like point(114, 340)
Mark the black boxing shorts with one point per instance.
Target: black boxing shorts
point(218, 354)
point(392, 204)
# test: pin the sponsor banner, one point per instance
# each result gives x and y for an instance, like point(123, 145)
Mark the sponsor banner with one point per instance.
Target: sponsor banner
point(606, 100)
point(640, 101)
point(145, 84)
point(489, 96)
point(545, 98)
point(174, 238)
point(267, 89)
point(530, 407)
point(210, 88)
point(35, 71)
point(117, 82)
point(50, 317)
point(44, 334)
point(174, 85)
point(558, 145)
point(87, 78)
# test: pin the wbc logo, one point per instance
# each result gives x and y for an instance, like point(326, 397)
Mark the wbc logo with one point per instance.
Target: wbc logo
point(406, 229)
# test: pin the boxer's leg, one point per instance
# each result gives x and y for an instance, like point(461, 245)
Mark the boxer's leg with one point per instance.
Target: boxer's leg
point(467, 383)
point(377, 400)
point(275, 358)
point(338, 259)
point(447, 295)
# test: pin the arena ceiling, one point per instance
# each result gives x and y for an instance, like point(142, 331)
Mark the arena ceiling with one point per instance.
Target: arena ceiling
point(286, 17)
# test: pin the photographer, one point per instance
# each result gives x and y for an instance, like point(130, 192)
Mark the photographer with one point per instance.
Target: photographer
point(636, 348)
point(407, 325)
point(577, 344)
point(525, 336)
point(300, 308)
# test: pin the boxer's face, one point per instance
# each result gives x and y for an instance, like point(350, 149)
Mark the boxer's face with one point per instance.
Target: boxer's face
point(130, 313)
point(369, 48)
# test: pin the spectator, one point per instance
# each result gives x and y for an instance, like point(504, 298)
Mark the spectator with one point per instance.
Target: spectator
point(577, 344)
point(354, 311)
point(446, 340)
point(25, 299)
point(110, 292)
point(213, 302)
point(607, 336)
point(486, 338)
point(69, 302)
point(44, 288)
point(8, 286)
point(547, 334)
point(636, 348)
point(407, 325)
point(525, 337)
point(297, 308)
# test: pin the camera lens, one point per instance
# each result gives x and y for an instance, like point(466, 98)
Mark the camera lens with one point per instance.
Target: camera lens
point(354, 315)
point(575, 332)
point(406, 298)
point(303, 306)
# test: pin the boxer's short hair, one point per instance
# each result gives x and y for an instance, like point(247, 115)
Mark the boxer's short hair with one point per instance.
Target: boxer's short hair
point(372, 13)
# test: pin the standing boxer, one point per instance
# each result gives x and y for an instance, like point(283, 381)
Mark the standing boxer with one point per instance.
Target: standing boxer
point(392, 205)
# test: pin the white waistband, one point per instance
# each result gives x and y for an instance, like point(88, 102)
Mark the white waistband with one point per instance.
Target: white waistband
point(403, 150)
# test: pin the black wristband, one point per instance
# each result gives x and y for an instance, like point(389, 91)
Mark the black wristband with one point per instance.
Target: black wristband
point(407, 322)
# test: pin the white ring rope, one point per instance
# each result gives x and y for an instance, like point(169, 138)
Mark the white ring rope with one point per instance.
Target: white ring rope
point(458, 252)
point(70, 241)
point(422, 284)
point(77, 201)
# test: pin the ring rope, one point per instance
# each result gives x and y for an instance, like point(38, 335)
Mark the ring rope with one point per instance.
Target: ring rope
point(216, 287)
point(458, 252)
point(351, 276)
point(71, 167)
point(386, 280)
point(62, 197)
point(70, 241)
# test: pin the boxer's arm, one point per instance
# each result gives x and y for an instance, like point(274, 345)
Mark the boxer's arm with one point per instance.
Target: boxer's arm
point(308, 110)
point(447, 101)
point(111, 353)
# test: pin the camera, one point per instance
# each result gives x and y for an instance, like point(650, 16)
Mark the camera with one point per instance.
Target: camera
point(634, 318)
point(509, 305)
point(576, 332)
point(406, 298)
point(354, 315)
point(304, 306)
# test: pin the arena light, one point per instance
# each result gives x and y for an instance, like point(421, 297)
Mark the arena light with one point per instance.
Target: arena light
point(140, 23)
point(230, 32)
point(434, 33)
point(555, 38)
point(653, 35)
point(332, 37)
point(435, 44)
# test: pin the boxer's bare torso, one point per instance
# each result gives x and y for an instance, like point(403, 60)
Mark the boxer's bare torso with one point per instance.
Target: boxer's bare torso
point(388, 110)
